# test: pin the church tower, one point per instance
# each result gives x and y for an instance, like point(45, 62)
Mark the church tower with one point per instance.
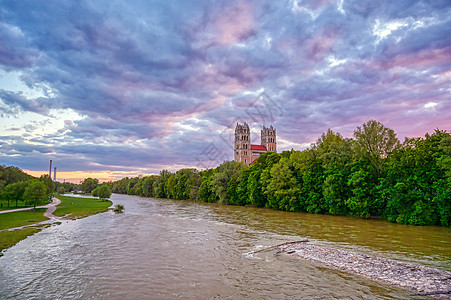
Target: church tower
point(243, 151)
point(269, 138)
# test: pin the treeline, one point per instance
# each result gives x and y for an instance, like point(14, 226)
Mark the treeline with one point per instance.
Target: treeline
point(372, 174)
point(17, 187)
point(34, 191)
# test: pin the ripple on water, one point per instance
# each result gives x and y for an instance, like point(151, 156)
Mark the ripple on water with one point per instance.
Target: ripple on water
point(163, 249)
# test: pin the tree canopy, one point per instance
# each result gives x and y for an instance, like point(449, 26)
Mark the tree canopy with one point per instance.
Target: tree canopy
point(89, 184)
point(103, 192)
point(36, 193)
point(372, 174)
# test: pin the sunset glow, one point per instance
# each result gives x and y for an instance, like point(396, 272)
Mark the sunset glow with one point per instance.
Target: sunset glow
point(134, 88)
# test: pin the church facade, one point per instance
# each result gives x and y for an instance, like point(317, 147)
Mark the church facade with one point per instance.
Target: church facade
point(248, 153)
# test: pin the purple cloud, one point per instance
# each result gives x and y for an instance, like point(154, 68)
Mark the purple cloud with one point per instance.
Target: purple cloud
point(155, 83)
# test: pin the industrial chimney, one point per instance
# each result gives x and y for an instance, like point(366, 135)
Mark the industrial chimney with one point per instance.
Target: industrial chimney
point(54, 174)
point(50, 170)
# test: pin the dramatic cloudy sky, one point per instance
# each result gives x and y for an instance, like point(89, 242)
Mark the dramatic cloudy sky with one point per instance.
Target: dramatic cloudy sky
point(119, 88)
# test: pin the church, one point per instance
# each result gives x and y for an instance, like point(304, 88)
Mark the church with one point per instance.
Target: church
point(246, 152)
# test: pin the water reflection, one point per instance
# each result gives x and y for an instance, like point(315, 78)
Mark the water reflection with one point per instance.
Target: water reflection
point(163, 249)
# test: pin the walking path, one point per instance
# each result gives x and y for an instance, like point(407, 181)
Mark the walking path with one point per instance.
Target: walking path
point(51, 207)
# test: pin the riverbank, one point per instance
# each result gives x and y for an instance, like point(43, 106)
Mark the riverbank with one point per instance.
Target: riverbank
point(16, 225)
point(80, 207)
point(420, 279)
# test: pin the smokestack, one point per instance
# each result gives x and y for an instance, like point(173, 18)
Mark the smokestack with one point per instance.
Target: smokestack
point(50, 170)
point(54, 174)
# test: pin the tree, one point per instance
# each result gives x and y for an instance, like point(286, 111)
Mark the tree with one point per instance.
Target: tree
point(12, 174)
point(35, 193)
point(221, 178)
point(61, 190)
point(160, 184)
point(255, 183)
point(15, 191)
point(375, 141)
point(49, 184)
point(147, 186)
point(103, 192)
point(282, 189)
point(416, 186)
point(89, 184)
point(131, 184)
point(206, 193)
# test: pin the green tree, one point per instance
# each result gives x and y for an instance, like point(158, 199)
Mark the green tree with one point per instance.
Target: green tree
point(61, 190)
point(120, 186)
point(282, 189)
point(103, 192)
point(241, 195)
point(221, 178)
point(131, 184)
point(147, 186)
point(416, 185)
point(363, 188)
point(35, 193)
point(375, 141)
point(15, 191)
point(12, 174)
point(49, 184)
point(206, 193)
point(89, 184)
point(256, 183)
point(336, 155)
point(161, 183)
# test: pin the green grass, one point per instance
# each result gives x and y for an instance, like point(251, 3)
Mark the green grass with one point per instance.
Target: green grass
point(76, 208)
point(10, 238)
point(12, 205)
point(21, 218)
point(70, 207)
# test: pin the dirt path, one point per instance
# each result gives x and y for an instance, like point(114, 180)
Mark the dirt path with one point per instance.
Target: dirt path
point(55, 201)
point(51, 208)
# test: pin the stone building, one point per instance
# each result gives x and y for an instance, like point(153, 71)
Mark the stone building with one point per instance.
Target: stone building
point(246, 152)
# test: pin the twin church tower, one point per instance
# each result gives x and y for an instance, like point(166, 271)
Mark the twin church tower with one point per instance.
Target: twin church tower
point(246, 152)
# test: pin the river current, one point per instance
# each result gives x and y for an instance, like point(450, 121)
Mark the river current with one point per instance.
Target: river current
point(165, 249)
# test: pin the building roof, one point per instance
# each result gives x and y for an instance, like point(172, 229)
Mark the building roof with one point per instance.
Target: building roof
point(258, 147)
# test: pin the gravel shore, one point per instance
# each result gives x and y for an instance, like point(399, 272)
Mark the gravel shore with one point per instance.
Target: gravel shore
point(421, 279)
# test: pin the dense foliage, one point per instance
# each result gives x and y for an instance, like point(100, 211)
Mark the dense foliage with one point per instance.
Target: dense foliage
point(12, 174)
point(102, 191)
point(17, 186)
point(88, 185)
point(372, 174)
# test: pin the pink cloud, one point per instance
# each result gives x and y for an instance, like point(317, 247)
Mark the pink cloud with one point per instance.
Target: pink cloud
point(425, 58)
point(235, 24)
point(321, 44)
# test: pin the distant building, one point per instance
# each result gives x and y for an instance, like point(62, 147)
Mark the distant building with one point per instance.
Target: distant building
point(246, 152)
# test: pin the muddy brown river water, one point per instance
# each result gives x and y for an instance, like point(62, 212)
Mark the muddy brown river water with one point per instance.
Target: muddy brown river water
point(165, 249)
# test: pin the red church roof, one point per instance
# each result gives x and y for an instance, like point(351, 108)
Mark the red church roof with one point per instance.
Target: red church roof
point(258, 147)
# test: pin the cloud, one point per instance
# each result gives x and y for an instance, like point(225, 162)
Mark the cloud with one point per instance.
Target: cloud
point(159, 84)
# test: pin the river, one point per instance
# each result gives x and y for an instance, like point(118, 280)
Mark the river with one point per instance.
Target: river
point(165, 249)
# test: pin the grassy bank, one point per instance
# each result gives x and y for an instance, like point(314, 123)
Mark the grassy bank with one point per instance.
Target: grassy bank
point(21, 218)
point(4, 205)
point(10, 238)
point(70, 207)
point(76, 208)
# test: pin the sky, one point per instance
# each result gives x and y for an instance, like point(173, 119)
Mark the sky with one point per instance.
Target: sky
point(109, 89)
